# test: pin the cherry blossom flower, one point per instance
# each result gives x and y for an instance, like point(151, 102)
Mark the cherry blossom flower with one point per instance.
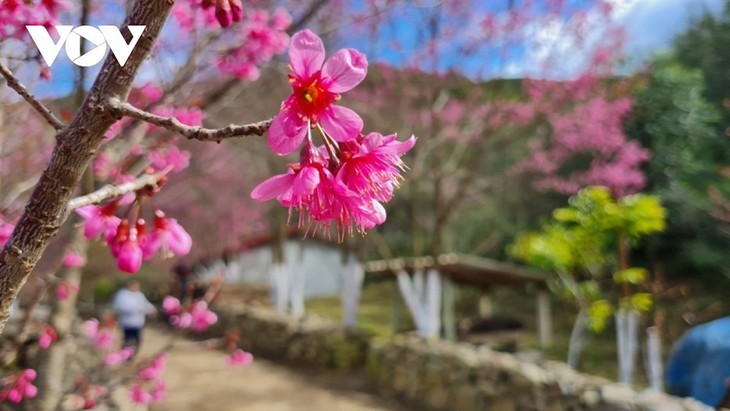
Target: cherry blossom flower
point(317, 86)
point(345, 189)
point(239, 358)
point(115, 358)
point(155, 369)
point(172, 157)
point(99, 220)
point(374, 168)
point(19, 386)
point(73, 259)
point(198, 318)
point(47, 337)
point(6, 229)
point(125, 246)
point(171, 305)
point(167, 235)
point(64, 289)
point(100, 337)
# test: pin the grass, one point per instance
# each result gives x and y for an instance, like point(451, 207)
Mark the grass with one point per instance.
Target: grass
point(380, 312)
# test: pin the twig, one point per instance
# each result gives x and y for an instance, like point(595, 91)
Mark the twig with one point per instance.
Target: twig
point(16, 85)
point(111, 190)
point(191, 132)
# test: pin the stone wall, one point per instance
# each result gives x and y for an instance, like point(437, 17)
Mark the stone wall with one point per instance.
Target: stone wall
point(446, 376)
point(310, 341)
point(438, 375)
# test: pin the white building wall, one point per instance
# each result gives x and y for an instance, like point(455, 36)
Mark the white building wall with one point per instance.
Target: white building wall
point(313, 262)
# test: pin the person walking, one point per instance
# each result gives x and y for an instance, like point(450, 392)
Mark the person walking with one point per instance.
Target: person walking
point(132, 307)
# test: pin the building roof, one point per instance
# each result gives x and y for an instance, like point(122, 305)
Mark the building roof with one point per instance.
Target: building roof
point(463, 269)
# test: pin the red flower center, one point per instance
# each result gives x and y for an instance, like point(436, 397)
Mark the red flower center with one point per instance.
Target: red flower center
point(312, 98)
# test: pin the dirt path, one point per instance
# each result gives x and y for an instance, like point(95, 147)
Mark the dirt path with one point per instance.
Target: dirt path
point(198, 380)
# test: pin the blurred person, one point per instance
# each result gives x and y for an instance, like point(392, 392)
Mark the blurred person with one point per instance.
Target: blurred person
point(132, 308)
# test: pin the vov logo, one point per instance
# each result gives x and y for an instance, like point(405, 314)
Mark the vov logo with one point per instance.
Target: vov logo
point(71, 37)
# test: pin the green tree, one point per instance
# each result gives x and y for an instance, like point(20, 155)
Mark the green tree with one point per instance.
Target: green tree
point(672, 117)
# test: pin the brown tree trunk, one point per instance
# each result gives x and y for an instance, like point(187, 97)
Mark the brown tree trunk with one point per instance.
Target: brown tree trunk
point(75, 148)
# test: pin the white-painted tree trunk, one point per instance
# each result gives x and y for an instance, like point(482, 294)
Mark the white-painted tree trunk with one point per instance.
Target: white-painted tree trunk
point(279, 275)
point(449, 308)
point(544, 319)
point(627, 324)
point(424, 303)
point(577, 335)
point(654, 365)
point(297, 280)
point(411, 297)
point(433, 304)
point(353, 275)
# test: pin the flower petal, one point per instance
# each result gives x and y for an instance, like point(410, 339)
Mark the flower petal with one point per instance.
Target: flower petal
point(305, 182)
point(286, 133)
point(273, 187)
point(341, 123)
point(178, 239)
point(306, 54)
point(344, 70)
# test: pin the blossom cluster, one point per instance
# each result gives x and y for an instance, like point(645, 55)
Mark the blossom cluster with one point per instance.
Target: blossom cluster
point(343, 182)
point(101, 337)
point(130, 239)
point(197, 317)
point(17, 387)
point(87, 396)
point(16, 14)
point(149, 387)
point(258, 35)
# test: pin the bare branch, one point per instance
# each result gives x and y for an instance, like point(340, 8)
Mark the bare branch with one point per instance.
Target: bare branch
point(111, 190)
point(16, 85)
point(191, 132)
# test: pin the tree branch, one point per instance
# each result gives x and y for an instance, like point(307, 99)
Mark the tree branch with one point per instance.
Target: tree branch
point(112, 190)
point(16, 85)
point(191, 132)
point(75, 148)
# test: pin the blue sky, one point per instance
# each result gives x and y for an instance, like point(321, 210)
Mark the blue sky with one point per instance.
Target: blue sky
point(651, 26)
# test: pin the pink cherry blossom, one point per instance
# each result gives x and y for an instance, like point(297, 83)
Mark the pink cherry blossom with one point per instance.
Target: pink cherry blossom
point(171, 305)
point(99, 220)
point(73, 259)
point(374, 168)
point(19, 386)
point(117, 357)
point(345, 190)
point(64, 289)
point(172, 157)
point(6, 229)
point(125, 246)
point(154, 369)
point(47, 337)
point(100, 337)
point(139, 395)
point(316, 86)
point(202, 317)
point(166, 235)
point(184, 320)
point(239, 358)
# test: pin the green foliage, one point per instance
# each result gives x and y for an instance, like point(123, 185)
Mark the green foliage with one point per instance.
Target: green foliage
point(633, 275)
point(580, 244)
point(684, 131)
point(599, 313)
